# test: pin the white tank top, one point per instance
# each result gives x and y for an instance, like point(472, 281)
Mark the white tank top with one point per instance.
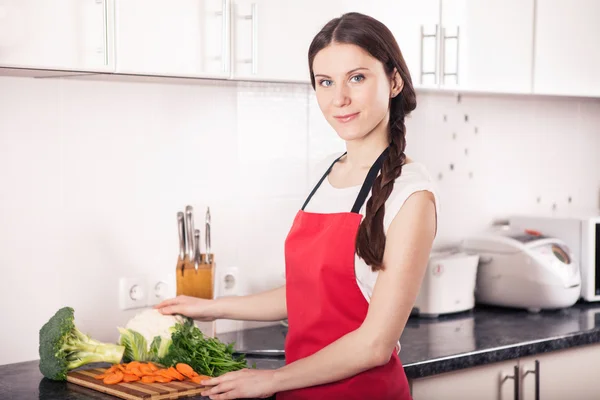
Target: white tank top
point(328, 199)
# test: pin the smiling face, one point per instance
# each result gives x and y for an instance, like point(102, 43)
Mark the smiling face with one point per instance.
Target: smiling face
point(353, 90)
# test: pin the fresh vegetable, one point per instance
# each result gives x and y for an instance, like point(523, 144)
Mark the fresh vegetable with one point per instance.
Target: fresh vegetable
point(169, 340)
point(205, 355)
point(151, 373)
point(63, 347)
point(147, 336)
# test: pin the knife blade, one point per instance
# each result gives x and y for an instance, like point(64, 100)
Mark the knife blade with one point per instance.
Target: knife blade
point(181, 229)
point(207, 236)
point(182, 241)
point(189, 228)
point(261, 353)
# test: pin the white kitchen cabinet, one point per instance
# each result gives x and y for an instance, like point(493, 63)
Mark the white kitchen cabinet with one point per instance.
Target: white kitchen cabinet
point(567, 59)
point(563, 374)
point(493, 381)
point(414, 25)
point(271, 38)
point(72, 35)
point(188, 38)
point(487, 45)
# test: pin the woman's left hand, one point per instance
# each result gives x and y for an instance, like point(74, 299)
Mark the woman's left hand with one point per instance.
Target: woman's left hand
point(245, 383)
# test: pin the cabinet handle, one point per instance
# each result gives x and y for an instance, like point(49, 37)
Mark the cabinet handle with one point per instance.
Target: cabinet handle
point(423, 37)
point(535, 371)
point(516, 378)
point(104, 29)
point(445, 38)
point(254, 17)
point(225, 32)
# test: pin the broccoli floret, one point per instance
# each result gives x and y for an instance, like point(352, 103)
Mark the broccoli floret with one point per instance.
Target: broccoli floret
point(63, 347)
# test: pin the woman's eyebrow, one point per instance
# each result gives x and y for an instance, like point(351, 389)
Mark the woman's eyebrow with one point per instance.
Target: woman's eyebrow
point(347, 73)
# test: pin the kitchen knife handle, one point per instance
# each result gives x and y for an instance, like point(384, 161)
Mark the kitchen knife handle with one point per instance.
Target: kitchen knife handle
point(189, 215)
point(182, 239)
point(207, 236)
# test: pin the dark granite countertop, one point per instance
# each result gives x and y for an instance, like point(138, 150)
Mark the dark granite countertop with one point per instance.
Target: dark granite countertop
point(429, 346)
point(477, 337)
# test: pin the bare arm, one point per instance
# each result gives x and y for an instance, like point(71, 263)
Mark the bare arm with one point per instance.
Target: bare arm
point(266, 306)
point(409, 241)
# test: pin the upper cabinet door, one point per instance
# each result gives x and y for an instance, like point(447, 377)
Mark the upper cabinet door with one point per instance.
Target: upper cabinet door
point(72, 35)
point(487, 45)
point(271, 38)
point(567, 60)
point(173, 38)
point(415, 26)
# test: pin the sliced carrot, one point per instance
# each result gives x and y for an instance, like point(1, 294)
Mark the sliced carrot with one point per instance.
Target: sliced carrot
point(148, 379)
point(101, 376)
point(199, 378)
point(152, 366)
point(146, 370)
point(130, 378)
point(113, 368)
point(175, 374)
point(136, 371)
point(131, 365)
point(185, 370)
point(113, 379)
point(121, 368)
point(162, 379)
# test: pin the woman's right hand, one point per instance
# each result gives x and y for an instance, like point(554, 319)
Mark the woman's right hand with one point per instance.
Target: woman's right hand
point(193, 307)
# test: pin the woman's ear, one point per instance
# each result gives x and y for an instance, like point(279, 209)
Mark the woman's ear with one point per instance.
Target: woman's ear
point(397, 84)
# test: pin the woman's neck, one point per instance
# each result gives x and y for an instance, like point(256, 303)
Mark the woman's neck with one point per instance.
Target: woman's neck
point(363, 152)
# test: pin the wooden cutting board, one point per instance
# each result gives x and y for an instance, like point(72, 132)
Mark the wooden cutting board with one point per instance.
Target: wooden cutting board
point(135, 390)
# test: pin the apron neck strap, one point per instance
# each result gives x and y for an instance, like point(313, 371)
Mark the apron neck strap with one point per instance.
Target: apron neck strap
point(369, 181)
point(366, 186)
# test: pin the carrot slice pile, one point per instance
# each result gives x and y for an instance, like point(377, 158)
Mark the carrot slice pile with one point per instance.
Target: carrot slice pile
point(147, 372)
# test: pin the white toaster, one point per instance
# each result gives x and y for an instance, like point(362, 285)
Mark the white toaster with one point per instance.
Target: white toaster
point(448, 285)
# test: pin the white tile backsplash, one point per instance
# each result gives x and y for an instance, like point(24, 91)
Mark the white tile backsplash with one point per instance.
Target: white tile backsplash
point(93, 173)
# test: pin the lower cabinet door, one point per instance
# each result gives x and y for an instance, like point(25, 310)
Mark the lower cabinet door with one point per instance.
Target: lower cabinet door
point(563, 374)
point(493, 381)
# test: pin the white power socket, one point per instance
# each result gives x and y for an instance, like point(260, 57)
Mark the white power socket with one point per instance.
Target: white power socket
point(229, 282)
point(133, 293)
point(161, 288)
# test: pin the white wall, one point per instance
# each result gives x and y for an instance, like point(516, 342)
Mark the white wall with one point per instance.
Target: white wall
point(92, 174)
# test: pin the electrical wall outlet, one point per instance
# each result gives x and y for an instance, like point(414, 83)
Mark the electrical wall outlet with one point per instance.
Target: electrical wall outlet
point(161, 288)
point(133, 293)
point(228, 282)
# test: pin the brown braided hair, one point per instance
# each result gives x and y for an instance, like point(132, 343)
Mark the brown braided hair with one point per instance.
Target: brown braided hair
point(375, 38)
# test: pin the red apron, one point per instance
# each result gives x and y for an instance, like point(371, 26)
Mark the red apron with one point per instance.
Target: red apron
point(325, 303)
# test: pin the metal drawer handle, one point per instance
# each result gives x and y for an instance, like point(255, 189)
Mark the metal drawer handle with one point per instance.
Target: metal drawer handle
point(516, 378)
point(104, 48)
point(254, 17)
point(423, 37)
point(225, 14)
point(535, 371)
point(445, 38)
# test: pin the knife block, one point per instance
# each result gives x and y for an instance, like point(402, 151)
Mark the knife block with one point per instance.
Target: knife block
point(196, 282)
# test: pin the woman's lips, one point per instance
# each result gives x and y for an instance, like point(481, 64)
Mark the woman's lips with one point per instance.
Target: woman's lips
point(346, 118)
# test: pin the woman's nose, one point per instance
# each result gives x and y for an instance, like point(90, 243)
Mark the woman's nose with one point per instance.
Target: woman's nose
point(341, 96)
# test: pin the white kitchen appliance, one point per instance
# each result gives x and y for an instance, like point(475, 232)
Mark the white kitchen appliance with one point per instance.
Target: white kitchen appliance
point(524, 270)
point(448, 285)
point(582, 234)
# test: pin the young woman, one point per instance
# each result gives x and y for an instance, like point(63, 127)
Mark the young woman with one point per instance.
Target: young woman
point(357, 250)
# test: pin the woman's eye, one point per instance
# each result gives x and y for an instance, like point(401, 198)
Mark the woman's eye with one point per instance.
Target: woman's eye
point(357, 78)
point(325, 82)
